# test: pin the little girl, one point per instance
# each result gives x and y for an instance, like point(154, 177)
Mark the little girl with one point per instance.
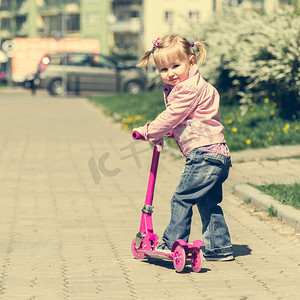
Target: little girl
point(192, 113)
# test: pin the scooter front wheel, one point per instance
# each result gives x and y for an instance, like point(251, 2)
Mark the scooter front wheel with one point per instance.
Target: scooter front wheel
point(179, 258)
point(135, 253)
point(197, 260)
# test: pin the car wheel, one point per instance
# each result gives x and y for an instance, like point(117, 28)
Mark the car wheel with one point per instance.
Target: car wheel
point(133, 87)
point(27, 84)
point(56, 88)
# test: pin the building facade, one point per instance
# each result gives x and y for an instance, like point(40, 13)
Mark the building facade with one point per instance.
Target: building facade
point(162, 17)
point(55, 19)
point(123, 27)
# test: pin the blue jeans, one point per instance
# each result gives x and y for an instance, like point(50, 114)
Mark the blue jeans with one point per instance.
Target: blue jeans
point(201, 184)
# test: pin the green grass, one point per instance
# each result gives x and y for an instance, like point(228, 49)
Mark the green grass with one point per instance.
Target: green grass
point(259, 126)
point(131, 110)
point(285, 193)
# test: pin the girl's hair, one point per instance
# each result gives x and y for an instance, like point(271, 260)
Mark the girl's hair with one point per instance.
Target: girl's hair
point(174, 47)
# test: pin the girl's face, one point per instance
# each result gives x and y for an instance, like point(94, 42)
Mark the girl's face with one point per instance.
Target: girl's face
point(175, 71)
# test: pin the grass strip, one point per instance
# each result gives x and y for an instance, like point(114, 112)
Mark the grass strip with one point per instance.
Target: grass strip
point(288, 194)
point(256, 126)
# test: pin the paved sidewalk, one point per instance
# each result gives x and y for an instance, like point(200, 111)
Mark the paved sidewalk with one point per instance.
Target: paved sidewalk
point(70, 199)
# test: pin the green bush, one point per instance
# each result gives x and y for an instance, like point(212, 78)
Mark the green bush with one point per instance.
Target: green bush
point(253, 56)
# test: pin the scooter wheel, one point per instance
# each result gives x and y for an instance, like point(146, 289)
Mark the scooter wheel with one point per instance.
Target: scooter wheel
point(197, 260)
point(134, 251)
point(179, 258)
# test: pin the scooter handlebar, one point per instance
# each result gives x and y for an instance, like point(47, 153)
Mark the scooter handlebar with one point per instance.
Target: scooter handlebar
point(137, 136)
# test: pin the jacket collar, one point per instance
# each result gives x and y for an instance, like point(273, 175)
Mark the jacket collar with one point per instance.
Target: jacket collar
point(193, 71)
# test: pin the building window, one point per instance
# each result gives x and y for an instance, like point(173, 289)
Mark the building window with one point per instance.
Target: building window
point(233, 2)
point(134, 14)
point(169, 16)
point(194, 16)
point(20, 3)
point(73, 22)
point(20, 21)
point(5, 24)
point(5, 4)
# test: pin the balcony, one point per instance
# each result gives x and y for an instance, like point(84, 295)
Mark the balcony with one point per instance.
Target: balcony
point(131, 25)
point(51, 9)
point(6, 34)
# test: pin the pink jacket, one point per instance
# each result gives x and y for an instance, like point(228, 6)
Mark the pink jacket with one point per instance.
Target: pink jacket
point(192, 112)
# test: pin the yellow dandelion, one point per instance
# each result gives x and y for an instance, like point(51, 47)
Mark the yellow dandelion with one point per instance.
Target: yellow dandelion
point(248, 142)
point(229, 121)
point(267, 133)
point(234, 129)
point(137, 118)
point(269, 139)
point(286, 127)
point(297, 127)
point(266, 100)
point(125, 126)
point(274, 104)
point(272, 112)
point(128, 120)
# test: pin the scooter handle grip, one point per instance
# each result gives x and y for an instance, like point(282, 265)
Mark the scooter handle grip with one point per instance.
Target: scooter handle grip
point(137, 136)
point(171, 135)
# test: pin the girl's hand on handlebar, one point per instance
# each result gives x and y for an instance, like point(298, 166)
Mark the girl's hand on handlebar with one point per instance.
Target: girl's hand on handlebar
point(137, 133)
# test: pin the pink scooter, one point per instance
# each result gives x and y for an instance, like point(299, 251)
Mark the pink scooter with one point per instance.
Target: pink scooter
point(143, 245)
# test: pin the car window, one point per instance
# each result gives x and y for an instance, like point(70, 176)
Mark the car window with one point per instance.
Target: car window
point(55, 60)
point(101, 62)
point(78, 59)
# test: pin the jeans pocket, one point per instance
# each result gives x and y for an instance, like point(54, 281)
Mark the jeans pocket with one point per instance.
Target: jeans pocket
point(214, 158)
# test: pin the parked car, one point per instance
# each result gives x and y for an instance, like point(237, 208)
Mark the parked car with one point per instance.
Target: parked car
point(78, 71)
point(3, 77)
point(31, 81)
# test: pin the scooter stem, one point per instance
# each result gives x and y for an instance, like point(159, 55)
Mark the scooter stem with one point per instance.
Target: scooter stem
point(152, 177)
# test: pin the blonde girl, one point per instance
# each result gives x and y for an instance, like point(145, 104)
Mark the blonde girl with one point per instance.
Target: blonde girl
point(192, 113)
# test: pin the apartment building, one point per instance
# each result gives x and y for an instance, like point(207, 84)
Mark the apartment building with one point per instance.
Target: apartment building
point(137, 22)
point(55, 19)
point(124, 27)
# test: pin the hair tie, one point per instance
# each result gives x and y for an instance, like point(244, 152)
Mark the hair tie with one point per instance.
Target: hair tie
point(156, 43)
point(192, 44)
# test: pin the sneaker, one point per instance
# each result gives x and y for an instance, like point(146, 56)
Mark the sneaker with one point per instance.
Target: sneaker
point(163, 248)
point(219, 257)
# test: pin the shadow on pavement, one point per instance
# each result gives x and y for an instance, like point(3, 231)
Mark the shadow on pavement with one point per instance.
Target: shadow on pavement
point(168, 264)
point(241, 250)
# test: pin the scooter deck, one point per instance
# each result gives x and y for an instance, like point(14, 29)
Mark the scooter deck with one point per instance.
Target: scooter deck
point(189, 248)
point(158, 255)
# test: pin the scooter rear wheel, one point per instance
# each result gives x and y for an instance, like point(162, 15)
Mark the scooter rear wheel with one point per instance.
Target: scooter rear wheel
point(197, 260)
point(135, 253)
point(179, 258)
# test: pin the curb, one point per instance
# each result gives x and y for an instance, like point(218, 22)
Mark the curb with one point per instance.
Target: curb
point(285, 213)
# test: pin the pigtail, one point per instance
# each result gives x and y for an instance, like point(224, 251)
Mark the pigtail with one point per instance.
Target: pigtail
point(200, 58)
point(144, 60)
